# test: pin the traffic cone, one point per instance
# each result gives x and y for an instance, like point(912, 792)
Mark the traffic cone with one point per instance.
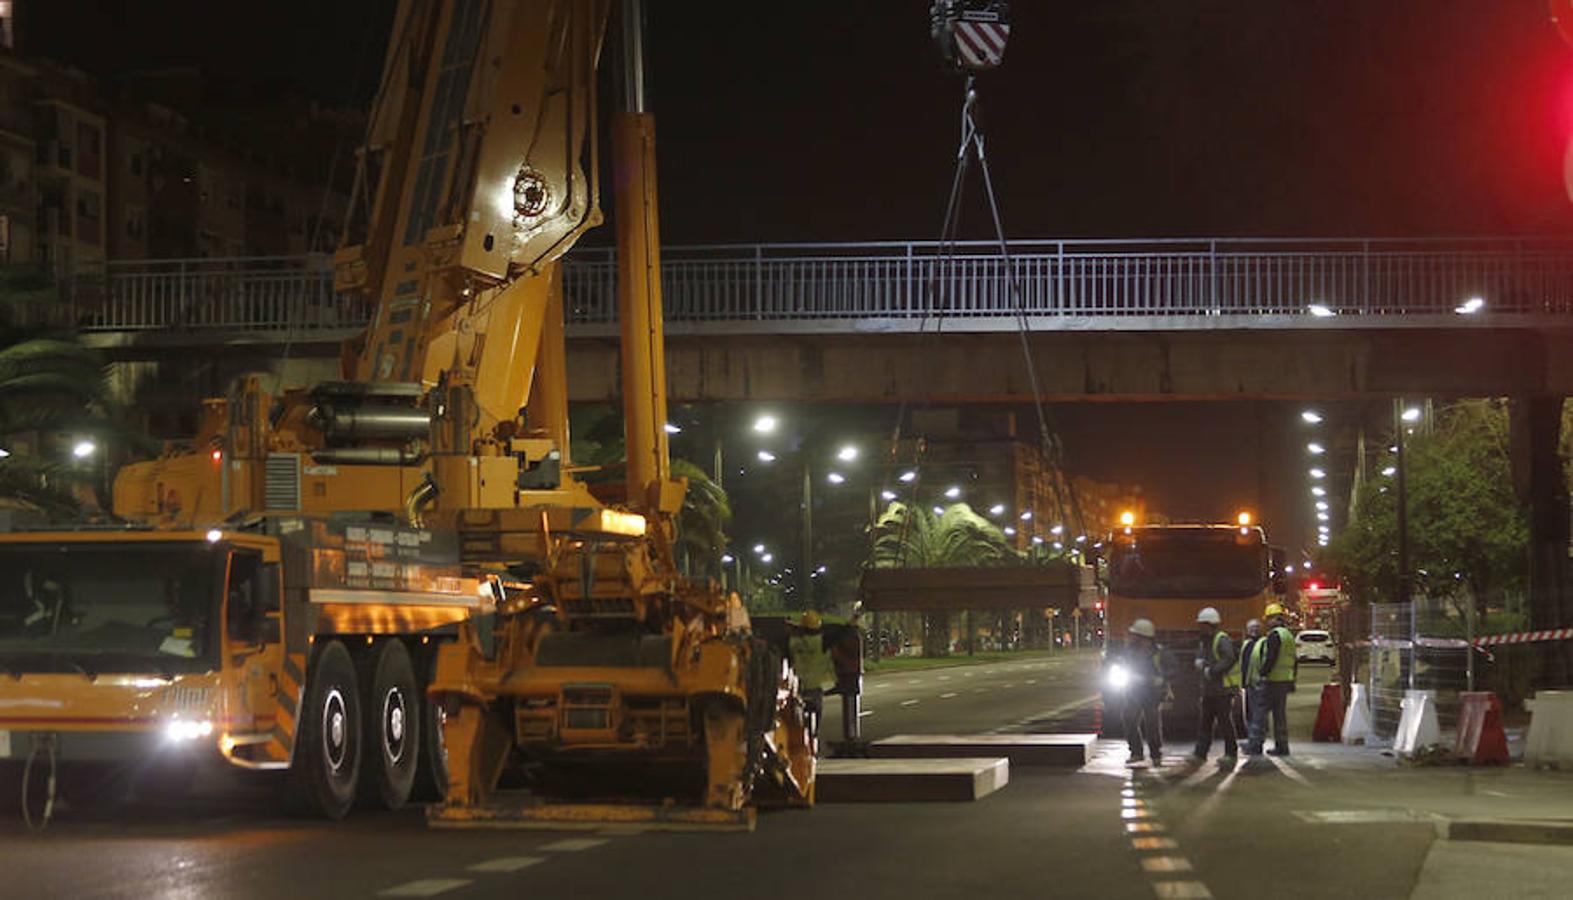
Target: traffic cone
point(1330, 717)
point(1481, 740)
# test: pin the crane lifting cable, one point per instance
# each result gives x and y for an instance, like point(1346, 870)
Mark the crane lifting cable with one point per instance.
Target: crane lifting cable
point(971, 36)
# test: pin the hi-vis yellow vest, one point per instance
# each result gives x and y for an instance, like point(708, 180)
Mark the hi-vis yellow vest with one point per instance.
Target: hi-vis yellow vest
point(815, 671)
point(1231, 677)
point(1283, 666)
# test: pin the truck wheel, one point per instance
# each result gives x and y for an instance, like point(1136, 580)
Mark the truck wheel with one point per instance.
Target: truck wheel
point(431, 774)
point(393, 728)
point(328, 744)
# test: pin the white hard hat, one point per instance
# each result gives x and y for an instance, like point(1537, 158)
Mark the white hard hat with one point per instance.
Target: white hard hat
point(1209, 615)
point(1144, 627)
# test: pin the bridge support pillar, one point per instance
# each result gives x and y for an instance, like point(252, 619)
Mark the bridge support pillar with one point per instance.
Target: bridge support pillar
point(1540, 478)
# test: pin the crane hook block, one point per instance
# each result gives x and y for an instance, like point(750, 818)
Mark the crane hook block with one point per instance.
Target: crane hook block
point(971, 34)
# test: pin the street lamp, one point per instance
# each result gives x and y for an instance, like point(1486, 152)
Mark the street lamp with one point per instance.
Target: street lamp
point(997, 509)
point(1311, 417)
point(1026, 516)
point(1057, 530)
point(1320, 311)
point(835, 478)
point(1390, 471)
point(1318, 490)
point(673, 429)
point(939, 511)
point(1315, 449)
point(1321, 505)
point(1412, 414)
point(952, 492)
point(765, 424)
point(1010, 530)
point(1471, 306)
point(765, 456)
point(1318, 473)
point(759, 549)
point(847, 453)
point(84, 448)
point(887, 495)
point(908, 476)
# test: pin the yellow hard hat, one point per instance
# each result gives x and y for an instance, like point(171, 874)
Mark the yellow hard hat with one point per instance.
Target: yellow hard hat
point(1273, 609)
point(810, 620)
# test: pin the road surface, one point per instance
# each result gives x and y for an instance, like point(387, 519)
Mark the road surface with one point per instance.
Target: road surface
point(1323, 823)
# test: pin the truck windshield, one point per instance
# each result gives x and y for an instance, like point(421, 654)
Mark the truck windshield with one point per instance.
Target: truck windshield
point(97, 607)
point(1208, 563)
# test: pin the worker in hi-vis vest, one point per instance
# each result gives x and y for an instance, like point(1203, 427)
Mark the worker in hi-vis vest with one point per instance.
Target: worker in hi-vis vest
point(1144, 694)
point(816, 673)
point(1218, 666)
point(1270, 676)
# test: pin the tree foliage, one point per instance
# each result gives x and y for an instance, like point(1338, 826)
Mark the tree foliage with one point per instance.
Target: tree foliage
point(49, 382)
point(912, 536)
point(1467, 530)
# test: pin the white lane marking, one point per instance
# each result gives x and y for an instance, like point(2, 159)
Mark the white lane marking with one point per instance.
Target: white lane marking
point(944, 678)
point(572, 845)
point(966, 674)
point(909, 703)
point(1166, 864)
point(1496, 793)
point(1144, 828)
point(506, 864)
point(1032, 681)
point(947, 695)
point(1009, 685)
point(425, 887)
point(1181, 890)
point(866, 712)
point(915, 681)
point(980, 690)
point(1153, 843)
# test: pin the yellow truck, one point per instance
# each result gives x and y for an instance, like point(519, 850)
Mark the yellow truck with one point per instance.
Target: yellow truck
point(275, 643)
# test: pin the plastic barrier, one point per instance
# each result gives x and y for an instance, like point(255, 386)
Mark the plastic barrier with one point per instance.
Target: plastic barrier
point(1481, 740)
point(1357, 718)
point(1417, 724)
point(1330, 717)
point(1550, 740)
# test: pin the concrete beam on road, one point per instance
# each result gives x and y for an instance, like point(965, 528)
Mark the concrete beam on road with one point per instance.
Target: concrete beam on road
point(1086, 365)
point(909, 780)
point(1059, 750)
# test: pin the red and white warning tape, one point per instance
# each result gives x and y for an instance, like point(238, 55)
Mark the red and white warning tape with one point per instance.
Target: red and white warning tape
point(1525, 637)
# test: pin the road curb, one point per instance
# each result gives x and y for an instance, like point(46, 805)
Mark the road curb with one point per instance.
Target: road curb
point(1508, 831)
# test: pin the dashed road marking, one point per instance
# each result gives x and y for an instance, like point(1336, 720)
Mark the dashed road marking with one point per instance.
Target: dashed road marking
point(1153, 843)
point(1166, 864)
point(947, 695)
point(1181, 890)
point(425, 887)
point(1143, 828)
point(572, 845)
point(909, 703)
point(1135, 813)
point(506, 864)
point(1032, 681)
point(866, 712)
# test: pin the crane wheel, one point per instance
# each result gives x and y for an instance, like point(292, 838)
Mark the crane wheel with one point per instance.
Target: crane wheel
point(431, 774)
point(327, 762)
point(393, 735)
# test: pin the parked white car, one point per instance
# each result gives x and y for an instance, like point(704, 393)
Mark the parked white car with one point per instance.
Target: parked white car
point(1315, 645)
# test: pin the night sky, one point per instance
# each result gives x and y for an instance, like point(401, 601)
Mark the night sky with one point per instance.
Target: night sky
point(1113, 118)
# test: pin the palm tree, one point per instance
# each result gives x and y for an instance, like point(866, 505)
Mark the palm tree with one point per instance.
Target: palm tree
point(49, 382)
point(908, 536)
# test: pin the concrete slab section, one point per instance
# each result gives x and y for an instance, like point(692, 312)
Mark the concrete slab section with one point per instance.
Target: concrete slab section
point(909, 780)
point(1067, 750)
point(1510, 831)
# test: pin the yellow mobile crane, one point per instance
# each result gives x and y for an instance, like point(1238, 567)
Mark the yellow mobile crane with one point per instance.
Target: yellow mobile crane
point(280, 593)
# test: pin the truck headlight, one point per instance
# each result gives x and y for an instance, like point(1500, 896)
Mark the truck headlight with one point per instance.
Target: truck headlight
point(182, 730)
point(1117, 677)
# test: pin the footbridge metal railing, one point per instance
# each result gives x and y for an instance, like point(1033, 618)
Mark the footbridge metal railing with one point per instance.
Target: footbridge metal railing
point(1154, 284)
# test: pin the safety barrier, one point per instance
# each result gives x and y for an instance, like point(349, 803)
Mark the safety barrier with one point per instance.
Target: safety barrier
point(1481, 740)
point(1550, 740)
point(1357, 718)
point(1418, 729)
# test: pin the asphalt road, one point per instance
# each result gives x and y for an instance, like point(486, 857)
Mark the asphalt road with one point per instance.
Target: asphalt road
point(1314, 825)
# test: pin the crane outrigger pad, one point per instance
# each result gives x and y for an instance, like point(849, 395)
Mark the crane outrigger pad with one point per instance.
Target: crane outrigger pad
point(532, 813)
